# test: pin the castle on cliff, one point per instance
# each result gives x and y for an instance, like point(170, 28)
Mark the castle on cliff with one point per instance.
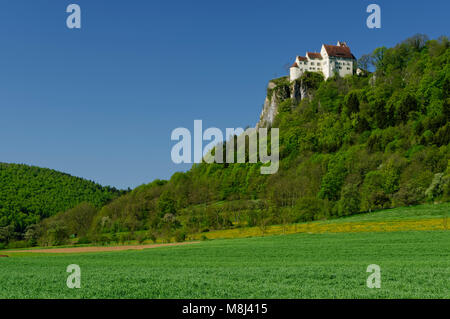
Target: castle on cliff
point(332, 59)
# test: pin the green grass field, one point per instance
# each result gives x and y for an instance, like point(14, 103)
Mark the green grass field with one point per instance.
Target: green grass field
point(425, 211)
point(413, 265)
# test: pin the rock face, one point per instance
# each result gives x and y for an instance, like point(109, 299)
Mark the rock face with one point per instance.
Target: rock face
point(270, 107)
point(297, 91)
point(279, 90)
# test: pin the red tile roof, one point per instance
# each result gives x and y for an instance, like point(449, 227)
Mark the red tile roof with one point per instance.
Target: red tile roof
point(302, 58)
point(314, 55)
point(339, 51)
point(295, 65)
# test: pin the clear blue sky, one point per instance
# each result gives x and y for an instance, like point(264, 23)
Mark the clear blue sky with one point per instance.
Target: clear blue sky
point(101, 102)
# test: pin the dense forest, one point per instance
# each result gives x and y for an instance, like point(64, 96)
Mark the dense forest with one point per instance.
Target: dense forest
point(356, 144)
point(29, 194)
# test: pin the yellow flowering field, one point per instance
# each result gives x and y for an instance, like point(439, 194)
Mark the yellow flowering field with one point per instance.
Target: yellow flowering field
point(330, 227)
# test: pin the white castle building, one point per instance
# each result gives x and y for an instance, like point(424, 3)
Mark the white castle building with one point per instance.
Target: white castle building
point(331, 59)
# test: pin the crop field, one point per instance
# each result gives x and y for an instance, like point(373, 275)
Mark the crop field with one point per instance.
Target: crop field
point(414, 264)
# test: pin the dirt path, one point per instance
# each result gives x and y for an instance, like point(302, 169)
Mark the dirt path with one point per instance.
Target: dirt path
point(96, 249)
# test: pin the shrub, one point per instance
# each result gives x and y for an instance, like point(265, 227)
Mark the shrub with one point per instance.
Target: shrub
point(141, 238)
point(350, 201)
point(101, 239)
point(414, 180)
point(436, 188)
point(32, 233)
point(18, 244)
point(180, 236)
point(252, 218)
point(114, 237)
point(123, 238)
point(446, 193)
point(285, 106)
point(334, 178)
point(442, 136)
point(373, 194)
point(57, 234)
point(83, 241)
point(351, 103)
point(308, 208)
point(152, 236)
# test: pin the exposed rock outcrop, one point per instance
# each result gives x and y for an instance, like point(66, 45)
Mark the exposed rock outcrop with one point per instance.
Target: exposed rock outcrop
point(278, 90)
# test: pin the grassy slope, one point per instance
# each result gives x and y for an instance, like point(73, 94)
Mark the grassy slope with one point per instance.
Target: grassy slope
point(413, 265)
point(401, 213)
point(422, 217)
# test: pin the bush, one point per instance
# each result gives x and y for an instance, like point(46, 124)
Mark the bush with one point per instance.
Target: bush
point(285, 106)
point(18, 244)
point(101, 240)
point(83, 241)
point(57, 234)
point(351, 103)
point(141, 238)
point(446, 195)
point(442, 136)
point(252, 218)
point(152, 236)
point(123, 238)
point(436, 188)
point(350, 201)
point(180, 236)
point(308, 208)
point(373, 194)
point(334, 178)
point(414, 180)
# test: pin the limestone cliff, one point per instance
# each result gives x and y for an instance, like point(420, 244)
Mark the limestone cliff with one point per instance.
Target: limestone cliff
point(279, 90)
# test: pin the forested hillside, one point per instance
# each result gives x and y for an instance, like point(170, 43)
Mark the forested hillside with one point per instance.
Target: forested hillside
point(355, 144)
point(29, 194)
